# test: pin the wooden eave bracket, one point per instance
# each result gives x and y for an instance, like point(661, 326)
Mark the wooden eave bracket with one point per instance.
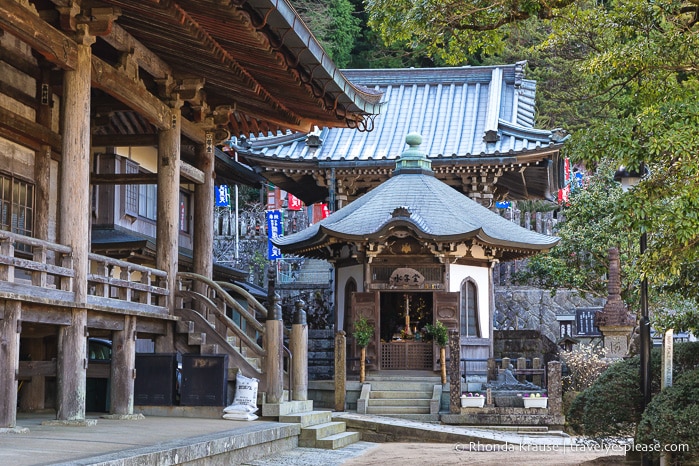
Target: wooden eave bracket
point(99, 20)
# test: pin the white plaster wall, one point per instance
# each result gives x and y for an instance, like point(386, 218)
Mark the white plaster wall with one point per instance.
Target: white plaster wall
point(480, 275)
point(342, 275)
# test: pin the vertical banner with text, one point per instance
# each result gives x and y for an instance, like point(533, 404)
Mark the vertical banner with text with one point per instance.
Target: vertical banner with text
point(274, 228)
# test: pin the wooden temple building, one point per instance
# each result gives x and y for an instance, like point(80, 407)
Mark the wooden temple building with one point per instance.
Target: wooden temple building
point(111, 118)
point(479, 145)
point(411, 252)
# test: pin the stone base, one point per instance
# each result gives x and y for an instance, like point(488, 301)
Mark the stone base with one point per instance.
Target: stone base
point(491, 416)
point(124, 417)
point(14, 430)
point(71, 423)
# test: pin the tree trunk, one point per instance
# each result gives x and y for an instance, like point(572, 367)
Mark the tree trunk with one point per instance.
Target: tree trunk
point(362, 364)
point(443, 363)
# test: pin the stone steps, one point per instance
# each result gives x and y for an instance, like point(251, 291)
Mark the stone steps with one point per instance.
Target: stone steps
point(391, 410)
point(318, 430)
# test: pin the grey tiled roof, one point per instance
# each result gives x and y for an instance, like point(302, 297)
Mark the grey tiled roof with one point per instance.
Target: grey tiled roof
point(452, 108)
point(436, 210)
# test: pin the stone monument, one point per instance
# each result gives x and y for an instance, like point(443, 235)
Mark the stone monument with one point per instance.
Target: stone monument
point(614, 321)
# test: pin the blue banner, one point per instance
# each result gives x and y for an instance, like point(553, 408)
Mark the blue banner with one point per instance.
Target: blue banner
point(274, 228)
point(223, 196)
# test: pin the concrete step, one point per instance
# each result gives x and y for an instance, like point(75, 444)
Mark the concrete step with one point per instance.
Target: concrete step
point(398, 402)
point(392, 410)
point(310, 435)
point(308, 419)
point(397, 385)
point(336, 441)
point(402, 394)
point(286, 408)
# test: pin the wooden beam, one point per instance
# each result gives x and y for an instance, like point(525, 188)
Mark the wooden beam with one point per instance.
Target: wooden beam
point(188, 174)
point(125, 43)
point(125, 140)
point(28, 129)
point(193, 131)
point(25, 24)
point(132, 93)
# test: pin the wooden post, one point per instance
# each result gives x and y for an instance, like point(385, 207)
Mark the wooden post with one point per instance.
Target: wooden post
point(75, 165)
point(168, 223)
point(10, 317)
point(123, 368)
point(274, 362)
point(71, 367)
point(340, 370)
point(299, 350)
point(203, 241)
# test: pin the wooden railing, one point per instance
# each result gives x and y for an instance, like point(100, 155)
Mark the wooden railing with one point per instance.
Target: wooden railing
point(40, 269)
point(29, 261)
point(139, 286)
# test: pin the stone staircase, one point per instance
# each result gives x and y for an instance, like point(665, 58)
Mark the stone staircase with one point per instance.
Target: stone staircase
point(318, 430)
point(407, 397)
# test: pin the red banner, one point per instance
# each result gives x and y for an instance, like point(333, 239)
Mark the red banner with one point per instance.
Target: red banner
point(293, 202)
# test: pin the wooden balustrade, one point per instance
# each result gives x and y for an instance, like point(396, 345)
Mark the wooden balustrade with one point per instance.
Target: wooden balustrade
point(40, 269)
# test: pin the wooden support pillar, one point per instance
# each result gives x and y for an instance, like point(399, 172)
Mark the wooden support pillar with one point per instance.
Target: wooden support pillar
point(75, 164)
point(71, 367)
point(299, 350)
point(340, 370)
point(42, 157)
point(166, 343)
point(123, 368)
point(274, 361)
point(203, 246)
point(168, 223)
point(10, 316)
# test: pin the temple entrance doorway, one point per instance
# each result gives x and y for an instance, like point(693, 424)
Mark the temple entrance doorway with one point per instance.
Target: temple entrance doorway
point(403, 317)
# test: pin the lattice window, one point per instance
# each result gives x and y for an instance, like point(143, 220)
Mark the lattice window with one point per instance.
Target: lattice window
point(16, 205)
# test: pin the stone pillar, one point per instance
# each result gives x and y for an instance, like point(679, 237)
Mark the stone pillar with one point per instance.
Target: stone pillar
point(340, 370)
point(274, 362)
point(168, 223)
point(123, 368)
point(203, 234)
point(10, 318)
point(74, 195)
point(72, 367)
point(454, 372)
point(614, 321)
point(554, 388)
point(521, 364)
point(536, 378)
point(299, 349)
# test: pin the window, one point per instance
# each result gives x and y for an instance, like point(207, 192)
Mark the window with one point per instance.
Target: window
point(130, 190)
point(469, 309)
point(148, 201)
point(16, 205)
point(184, 212)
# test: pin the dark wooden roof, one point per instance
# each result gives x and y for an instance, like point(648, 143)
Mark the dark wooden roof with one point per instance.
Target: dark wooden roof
point(250, 66)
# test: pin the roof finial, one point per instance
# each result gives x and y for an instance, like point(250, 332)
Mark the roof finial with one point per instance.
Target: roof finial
point(413, 160)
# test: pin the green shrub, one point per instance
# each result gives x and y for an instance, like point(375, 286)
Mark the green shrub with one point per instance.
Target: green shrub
point(363, 332)
point(439, 333)
point(610, 407)
point(672, 418)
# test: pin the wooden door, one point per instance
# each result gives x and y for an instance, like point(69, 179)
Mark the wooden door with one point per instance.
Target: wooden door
point(446, 310)
point(366, 305)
